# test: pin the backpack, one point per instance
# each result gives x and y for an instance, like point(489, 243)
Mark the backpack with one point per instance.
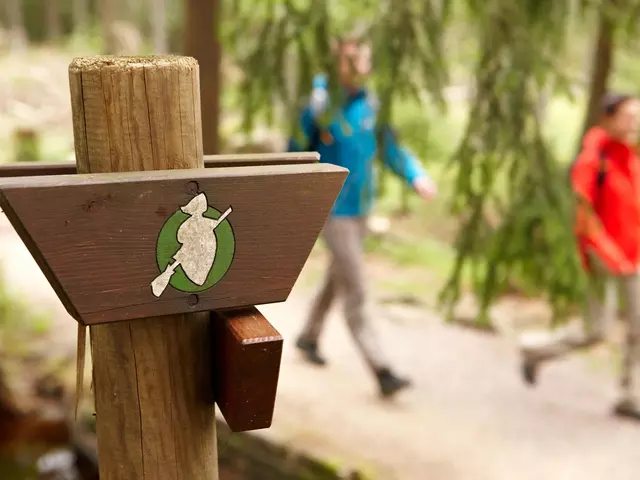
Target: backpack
point(315, 137)
point(601, 176)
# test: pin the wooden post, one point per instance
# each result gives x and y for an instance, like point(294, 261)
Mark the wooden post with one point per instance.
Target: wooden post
point(155, 416)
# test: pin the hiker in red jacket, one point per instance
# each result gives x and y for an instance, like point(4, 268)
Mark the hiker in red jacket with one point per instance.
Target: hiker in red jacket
point(606, 180)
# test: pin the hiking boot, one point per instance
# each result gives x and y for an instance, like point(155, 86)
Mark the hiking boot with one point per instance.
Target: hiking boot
point(627, 409)
point(390, 384)
point(529, 371)
point(310, 352)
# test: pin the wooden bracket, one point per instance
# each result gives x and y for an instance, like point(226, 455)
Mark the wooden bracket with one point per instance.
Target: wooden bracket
point(247, 354)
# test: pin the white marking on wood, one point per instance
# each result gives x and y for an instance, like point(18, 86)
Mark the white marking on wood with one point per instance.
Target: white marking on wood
point(199, 245)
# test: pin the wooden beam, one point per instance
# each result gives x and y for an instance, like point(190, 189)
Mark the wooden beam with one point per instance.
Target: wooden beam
point(101, 238)
point(29, 169)
point(247, 354)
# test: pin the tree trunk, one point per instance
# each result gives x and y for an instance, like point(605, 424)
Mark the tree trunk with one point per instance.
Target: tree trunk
point(80, 15)
point(26, 145)
point(54, 28)
point(159, 26)
point(107, 10)
point(601, 65)
point(16, 25)
point(202, 19)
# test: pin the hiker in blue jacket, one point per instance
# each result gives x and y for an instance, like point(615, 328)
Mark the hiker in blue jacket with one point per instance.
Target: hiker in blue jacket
point(345, 132)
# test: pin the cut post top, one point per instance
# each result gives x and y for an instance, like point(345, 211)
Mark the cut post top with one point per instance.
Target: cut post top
point(99, 62)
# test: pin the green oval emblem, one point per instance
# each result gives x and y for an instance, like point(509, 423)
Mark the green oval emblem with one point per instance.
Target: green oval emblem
point(195, 248)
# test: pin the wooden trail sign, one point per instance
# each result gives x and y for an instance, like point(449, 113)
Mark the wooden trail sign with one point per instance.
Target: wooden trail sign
point(108, 242)
point(165, 260)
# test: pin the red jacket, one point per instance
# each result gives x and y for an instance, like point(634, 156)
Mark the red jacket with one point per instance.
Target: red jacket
point(608, 217)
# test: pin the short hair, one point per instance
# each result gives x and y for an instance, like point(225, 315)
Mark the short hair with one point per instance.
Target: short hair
point(356, 37)
point(350, 39)
point(611, 102)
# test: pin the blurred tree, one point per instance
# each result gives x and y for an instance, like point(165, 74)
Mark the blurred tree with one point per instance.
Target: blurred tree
point(108, 16)
point(201, 41)
point(54, 28)
point(119, 26)
point(281, 44)
point(511, 191)
point(601, 67)
point(16, 25)
point(47, 21)
point(26, 143)
point(80, 15)
point(159, 26)
point(175, 25)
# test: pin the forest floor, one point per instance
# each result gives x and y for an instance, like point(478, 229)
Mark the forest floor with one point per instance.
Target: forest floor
point(468, 417)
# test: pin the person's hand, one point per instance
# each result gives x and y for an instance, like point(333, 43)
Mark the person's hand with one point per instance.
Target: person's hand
point(425, 187)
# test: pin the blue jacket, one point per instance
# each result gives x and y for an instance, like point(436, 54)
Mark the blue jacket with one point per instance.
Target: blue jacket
point(345, 135)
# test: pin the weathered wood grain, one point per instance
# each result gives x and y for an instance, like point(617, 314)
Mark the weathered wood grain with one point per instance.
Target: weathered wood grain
point(96, 239)
point(247, 354)
point(155, 415)
point(28, 169)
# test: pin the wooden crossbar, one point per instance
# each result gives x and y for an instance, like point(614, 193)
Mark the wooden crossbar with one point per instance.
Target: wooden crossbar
point(29, 169)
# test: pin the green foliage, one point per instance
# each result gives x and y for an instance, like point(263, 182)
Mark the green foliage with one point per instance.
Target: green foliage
point(34, 14)
point(511, 192)
point(89, 40)
point(511, 189)
point(175, 21)
point(434, 256)
point(26, 146)
point(17, 323)
point(510, 186)
point(13, 470)
point(282, 44)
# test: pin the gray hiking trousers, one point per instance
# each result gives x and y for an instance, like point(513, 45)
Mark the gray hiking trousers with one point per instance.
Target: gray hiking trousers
point(344, 238)
point(601, 310)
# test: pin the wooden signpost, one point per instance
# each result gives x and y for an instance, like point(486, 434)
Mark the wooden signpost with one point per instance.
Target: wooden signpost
point(164, 261)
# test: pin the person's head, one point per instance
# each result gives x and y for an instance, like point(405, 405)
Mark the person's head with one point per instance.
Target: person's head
point(354, 61)
point(621, 117)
